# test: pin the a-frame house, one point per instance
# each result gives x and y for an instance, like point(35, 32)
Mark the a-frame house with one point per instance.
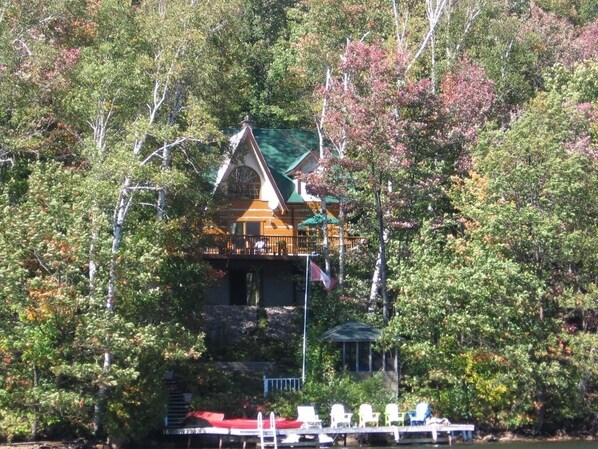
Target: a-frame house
point(261, 234)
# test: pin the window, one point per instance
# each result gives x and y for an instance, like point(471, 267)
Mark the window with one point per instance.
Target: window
point(244, 183)
point(247, 228)
point(360, 356)
point(363, 362)
point(245, 234)
point(307, 240)
point(350, 356)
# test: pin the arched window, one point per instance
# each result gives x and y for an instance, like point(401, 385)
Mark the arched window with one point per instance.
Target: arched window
point(244, 183)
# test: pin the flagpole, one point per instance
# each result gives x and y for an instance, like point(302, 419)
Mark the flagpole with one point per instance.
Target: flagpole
point(305, 317)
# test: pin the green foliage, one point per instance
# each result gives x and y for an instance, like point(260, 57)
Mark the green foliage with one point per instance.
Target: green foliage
point(522, 241)
point(578, 11)
point(42, 287)
point(62, 255)
point(342, 388)
point(450, 341)
point(316, 34)
point(496, 297)
point(235, 394)
point(53, 331)
point(579, 84)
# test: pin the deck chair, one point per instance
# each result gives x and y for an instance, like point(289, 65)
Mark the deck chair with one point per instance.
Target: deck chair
point(260, 247)
point(307, 415)
point(420, 414)
point(393, 415)
point(368, 415)
point(338, 417)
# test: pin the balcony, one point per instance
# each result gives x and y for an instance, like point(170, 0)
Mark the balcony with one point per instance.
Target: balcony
point(267, 245)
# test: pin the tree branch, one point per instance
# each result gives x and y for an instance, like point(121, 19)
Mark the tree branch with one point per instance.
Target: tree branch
point(437, 12)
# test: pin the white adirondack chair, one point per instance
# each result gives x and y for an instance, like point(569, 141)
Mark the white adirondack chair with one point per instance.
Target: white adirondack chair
point(393, 415)
point(307, 415)
point(338, 416)
point(367, 415)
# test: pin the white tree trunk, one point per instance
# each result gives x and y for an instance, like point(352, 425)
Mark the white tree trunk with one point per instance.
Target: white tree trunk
point(472, 13)
point(100, 129)
point(123, 203)
point(177, 107)
point(323, 205)
point(375, 287)
point(436, 7)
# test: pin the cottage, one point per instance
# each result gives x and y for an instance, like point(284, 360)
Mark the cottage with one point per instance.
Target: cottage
point(263, 231)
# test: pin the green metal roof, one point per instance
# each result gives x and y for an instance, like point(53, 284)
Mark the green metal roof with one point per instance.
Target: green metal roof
point(284, 149)
point(281, 148)
point(297, 161)
point(353, 331)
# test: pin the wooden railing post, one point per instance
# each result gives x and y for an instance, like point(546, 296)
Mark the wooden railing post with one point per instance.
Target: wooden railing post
point(272, 245)
point(281, 384)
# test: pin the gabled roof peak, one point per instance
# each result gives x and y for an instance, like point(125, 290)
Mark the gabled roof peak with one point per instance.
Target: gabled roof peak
point(278, 150)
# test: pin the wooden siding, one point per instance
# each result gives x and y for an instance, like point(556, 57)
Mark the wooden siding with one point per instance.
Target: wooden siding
point(271, 222)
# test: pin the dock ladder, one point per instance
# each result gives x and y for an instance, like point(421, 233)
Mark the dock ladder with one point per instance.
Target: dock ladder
point(267, 433)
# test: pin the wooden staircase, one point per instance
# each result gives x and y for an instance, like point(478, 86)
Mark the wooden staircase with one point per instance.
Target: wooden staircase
point(177, 408)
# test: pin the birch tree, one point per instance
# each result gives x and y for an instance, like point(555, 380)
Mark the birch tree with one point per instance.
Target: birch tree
point(153, 138)
point(317, 181)
point(138, 97)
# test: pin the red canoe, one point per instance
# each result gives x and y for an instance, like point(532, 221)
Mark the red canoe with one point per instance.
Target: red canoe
point(211, 419)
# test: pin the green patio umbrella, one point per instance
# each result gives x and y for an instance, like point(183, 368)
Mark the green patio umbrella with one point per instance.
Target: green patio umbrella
point(317, 221)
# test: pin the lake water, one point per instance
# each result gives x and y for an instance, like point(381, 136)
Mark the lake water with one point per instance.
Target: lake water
point(534, 445)
point(519, 445)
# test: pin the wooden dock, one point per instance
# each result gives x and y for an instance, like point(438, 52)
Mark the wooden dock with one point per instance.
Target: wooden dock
point(433, 433)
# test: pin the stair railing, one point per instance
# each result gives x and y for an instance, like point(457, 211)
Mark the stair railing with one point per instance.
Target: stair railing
point(282, 384)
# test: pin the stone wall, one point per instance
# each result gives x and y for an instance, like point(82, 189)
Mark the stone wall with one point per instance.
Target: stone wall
point(234, 323)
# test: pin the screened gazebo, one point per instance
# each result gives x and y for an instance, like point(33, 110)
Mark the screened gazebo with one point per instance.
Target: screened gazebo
point(356, 343)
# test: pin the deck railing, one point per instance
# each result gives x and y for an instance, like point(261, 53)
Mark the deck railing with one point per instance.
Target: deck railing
point(273, 245)
point(282, 384)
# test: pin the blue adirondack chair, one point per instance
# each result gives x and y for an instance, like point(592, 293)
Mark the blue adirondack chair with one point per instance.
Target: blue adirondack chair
point(418, 416)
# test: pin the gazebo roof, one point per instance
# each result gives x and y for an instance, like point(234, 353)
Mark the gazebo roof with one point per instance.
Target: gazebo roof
point(352, 331)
